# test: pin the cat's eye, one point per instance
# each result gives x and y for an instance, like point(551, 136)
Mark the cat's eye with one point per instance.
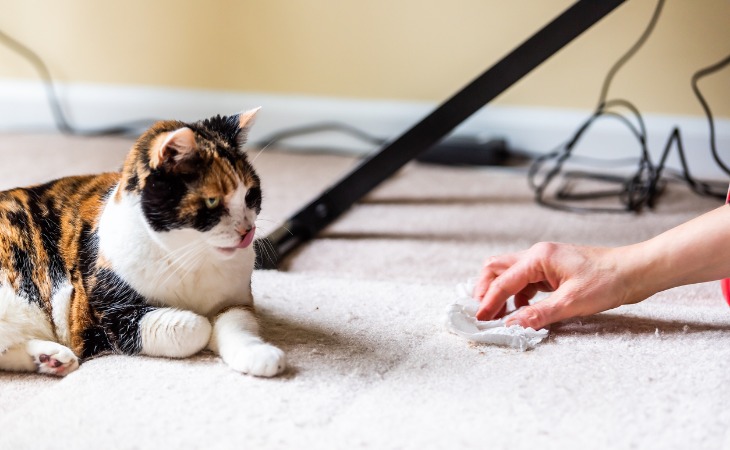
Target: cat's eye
point(212, 202)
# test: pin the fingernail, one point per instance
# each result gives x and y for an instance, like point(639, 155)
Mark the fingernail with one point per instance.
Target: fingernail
point(478, 315)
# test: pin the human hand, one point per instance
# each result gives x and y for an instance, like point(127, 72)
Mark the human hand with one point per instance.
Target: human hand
point(587, 280)
point(583, 281)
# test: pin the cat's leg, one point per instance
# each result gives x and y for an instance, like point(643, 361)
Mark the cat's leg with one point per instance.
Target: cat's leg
point(141, 328)
point(40, 356)
point(173, 333)
point(26, 335)
point(235, 338)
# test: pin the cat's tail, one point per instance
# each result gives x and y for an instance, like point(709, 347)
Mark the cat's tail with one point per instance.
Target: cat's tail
point(21, 320)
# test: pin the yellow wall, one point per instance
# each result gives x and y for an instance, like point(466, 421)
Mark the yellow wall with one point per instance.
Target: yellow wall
point(399, 49)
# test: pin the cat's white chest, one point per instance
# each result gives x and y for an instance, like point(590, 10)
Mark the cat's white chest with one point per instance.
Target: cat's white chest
point(187, 275)
point(203, 285)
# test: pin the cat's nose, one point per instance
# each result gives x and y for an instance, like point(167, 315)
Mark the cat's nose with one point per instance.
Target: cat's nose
point(244, 229)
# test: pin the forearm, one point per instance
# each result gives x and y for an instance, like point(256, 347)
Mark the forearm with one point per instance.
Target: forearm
point(694, 252)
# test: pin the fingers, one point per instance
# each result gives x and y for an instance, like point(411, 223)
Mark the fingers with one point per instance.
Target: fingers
point(493, 267)
point(523, 297)
point(579, 276)
point(511, 281)
point(539, 315)
point(535, 316)
point(502, 312)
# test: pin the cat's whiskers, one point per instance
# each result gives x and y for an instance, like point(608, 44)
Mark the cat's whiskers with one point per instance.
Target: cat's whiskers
point(275, 222)
point(265, 220)
point(190, 268)
point(175, 271)
point(173, 256)
point(187, 257)
point(260, 152)
point(268, 248)
point(185, 261)
point(262, 231)
point(182, 260)
point(264, 245)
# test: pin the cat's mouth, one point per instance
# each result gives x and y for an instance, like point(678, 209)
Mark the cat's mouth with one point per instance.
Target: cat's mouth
point(245, 241)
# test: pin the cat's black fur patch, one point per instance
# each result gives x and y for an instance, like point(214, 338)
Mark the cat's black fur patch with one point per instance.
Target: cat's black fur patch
point(222, 128)
point(45, 216)
point(95, 341)
point(253, 199)
point(114, 305)
point(22, 266)
point(88, 245)
point(207, 218)
point(121, 309)
point(161, 198)
point(132, 183)
point(18, 219)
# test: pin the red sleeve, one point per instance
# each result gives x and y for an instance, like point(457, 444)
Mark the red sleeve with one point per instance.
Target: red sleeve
point(726, 282)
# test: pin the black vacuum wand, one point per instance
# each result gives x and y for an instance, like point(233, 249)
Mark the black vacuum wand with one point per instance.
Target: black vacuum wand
point(323, 210)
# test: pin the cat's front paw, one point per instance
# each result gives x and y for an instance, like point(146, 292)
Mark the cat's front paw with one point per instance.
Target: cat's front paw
point(258, 359)
point(52, 358)
point(173, 333)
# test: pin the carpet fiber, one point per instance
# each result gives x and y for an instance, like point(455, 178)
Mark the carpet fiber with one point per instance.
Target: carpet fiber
point(360, 313)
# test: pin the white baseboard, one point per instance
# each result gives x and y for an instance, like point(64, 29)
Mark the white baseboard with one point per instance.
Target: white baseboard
point(24, 107)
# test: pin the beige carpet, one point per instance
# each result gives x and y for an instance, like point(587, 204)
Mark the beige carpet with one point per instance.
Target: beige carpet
point(359, 312)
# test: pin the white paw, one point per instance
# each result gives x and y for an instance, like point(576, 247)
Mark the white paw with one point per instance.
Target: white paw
point(258, 359)
point(52, 358)
point(173, 333)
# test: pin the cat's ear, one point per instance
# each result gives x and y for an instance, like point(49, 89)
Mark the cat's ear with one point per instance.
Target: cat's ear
point(246, 118)
point(245, 121)
point(177, 146)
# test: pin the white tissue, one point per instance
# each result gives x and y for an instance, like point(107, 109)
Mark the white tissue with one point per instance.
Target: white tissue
point(461, 320)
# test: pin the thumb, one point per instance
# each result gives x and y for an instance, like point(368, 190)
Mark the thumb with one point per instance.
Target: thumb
point(541, 314)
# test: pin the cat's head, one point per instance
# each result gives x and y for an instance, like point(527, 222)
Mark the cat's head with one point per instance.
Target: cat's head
point(194, 183)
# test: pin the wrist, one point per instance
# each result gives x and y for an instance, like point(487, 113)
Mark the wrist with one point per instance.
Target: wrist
point(638, 268)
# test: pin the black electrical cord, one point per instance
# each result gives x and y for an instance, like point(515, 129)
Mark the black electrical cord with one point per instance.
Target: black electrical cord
point(631, 52)
point(695, 78)
point(643, 187)
point(62, 123)
point(633, 191)
point(559, 156)
point(280, 136)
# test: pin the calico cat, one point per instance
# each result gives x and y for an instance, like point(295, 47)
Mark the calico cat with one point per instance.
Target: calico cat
point(154, 260)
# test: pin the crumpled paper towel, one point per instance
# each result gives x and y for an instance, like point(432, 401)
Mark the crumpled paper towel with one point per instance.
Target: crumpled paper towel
point(461, 320)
